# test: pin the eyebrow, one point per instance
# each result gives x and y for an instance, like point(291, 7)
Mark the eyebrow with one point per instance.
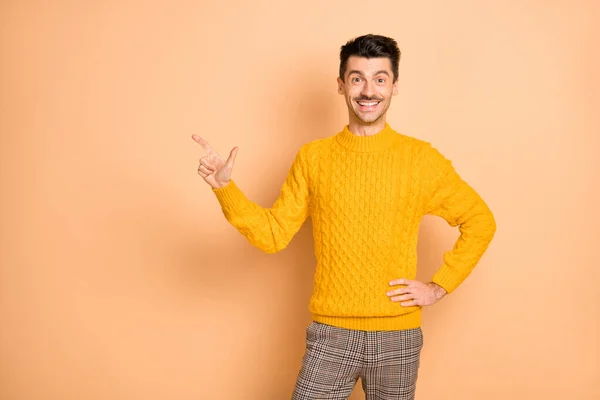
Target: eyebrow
point(354, 71)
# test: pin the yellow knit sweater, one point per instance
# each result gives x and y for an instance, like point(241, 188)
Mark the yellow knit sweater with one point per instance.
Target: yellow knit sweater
point(366, 196)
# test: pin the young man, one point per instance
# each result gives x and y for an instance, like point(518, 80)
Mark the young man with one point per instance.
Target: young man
point(366, 189)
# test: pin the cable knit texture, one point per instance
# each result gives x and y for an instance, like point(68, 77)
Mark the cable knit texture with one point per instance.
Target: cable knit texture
point(366, 196)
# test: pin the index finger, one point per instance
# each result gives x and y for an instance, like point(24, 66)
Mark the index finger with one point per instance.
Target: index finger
point(202, 143)
point(400, 282)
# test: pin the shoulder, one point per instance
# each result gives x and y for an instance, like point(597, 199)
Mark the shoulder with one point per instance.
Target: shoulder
point(425, 155)
point(419, 148)
point(316, 144)
point(316, 148)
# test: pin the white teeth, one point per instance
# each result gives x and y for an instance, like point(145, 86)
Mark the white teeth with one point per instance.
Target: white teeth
point(368, 104)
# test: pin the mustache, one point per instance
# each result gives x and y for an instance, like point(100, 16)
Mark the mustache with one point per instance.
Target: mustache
point(363, 98)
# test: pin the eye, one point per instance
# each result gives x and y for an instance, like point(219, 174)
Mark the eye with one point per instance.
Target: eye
point(380, 80)
point(356, 79)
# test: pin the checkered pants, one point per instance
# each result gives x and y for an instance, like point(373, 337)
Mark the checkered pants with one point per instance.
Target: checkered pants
point(387, 363)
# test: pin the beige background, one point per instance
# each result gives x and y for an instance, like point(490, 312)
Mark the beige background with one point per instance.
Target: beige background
point(121, 279)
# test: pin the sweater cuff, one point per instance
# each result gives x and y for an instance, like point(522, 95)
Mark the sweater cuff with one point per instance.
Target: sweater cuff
point(447, 278)
point(229, 195)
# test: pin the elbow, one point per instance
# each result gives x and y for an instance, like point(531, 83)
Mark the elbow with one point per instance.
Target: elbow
point(491, 219)
point(493, 224)
point(481, 225)
point(488, 225)
point(272, 247)
point(269, 250)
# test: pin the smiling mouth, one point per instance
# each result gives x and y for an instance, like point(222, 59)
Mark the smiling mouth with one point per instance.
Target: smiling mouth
point(368, 103)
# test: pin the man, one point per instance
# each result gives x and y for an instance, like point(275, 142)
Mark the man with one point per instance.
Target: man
point(366, 189)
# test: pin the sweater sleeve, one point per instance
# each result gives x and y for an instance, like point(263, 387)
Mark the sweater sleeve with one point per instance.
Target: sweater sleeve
point(450, 197)
point(270, 229)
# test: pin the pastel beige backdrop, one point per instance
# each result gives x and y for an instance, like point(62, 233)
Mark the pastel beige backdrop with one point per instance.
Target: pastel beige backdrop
point(121, 279)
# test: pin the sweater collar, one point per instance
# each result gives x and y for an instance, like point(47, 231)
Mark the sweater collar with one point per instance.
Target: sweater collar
point(366, 144)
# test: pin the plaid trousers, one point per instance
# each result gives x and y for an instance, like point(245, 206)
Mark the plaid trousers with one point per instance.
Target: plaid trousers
point(387, 363)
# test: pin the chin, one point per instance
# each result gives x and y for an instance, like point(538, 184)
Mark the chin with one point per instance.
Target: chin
point(368, 119)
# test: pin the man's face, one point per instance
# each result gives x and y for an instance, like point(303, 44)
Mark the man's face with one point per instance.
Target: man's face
point(368, 87)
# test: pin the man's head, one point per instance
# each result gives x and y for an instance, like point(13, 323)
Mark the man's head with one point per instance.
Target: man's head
point(370, 46)
point(369, 76)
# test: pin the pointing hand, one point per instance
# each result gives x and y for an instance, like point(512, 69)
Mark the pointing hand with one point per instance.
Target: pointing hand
point(215, 171)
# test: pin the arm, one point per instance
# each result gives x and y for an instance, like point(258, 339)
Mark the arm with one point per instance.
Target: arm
point(269, 229)
point(448, 196)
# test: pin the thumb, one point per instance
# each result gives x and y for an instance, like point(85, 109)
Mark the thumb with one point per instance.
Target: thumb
point(232, 156)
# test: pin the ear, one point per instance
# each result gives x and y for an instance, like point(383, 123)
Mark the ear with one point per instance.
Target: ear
point(340, 85)
point(395, 87)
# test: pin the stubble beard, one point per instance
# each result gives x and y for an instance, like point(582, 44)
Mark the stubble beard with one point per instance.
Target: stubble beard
point(367, 122)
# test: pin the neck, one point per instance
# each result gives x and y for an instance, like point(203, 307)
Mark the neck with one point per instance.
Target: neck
point(361, 128)
point(367, 143)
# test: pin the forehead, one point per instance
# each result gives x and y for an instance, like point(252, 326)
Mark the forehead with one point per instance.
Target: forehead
point(368, 66)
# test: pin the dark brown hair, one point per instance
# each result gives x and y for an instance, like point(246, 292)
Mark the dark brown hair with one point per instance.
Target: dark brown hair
point(370, 46)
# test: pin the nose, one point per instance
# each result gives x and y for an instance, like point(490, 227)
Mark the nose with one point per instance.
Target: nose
point(368, 89)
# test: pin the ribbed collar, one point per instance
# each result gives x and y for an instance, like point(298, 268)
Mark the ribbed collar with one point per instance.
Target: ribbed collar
point(366, 144)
